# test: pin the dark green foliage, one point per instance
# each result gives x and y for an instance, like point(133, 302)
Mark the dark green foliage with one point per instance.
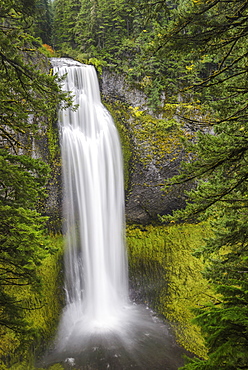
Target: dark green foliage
point(124, 34)
point(92, 27)
point(225, 327)
point(219, 169)
point(43, 21)
point(109, 23)
point(26, 95)
point(22, 180)
point(64, 22)
point(22, 248)
point(22, 240)
point(225, 323)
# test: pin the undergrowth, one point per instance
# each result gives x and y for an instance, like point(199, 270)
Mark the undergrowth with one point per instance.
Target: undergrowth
point(17, 350)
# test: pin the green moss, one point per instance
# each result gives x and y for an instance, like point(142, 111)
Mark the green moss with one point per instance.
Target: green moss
point(120, 115)
point(156, 139)
point(45, 319)
point(146, 138)
point(54, 181)
point(42, 313)
point(26, 366)
point(166, 251)
point(162, 263)
point(53, 141)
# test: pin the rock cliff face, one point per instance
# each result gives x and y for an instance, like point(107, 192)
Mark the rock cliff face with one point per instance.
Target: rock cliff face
point(114, 87)
point(152, 153)
point(46, 146)
point(156, 151)
point(145, 198)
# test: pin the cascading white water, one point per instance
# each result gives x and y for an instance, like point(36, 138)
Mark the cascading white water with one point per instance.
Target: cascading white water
point(95, 257)
point(99, 326)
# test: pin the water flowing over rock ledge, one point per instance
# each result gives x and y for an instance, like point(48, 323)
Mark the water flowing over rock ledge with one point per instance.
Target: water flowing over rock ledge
point(98, 317)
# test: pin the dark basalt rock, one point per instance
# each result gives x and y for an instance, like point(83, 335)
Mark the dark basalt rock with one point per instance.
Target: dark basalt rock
point(145, 198)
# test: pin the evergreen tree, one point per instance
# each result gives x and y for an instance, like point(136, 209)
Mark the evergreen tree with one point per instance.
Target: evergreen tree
point(103, 24)
point(216, 36)
point(22, 239)
point(43, 21)
point(65, 18)
point(96, 28)
point(160, 73)
point(26, 95)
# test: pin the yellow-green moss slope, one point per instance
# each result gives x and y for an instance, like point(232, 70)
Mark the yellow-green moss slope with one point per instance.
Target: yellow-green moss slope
point(180, 286)
point(42, 314)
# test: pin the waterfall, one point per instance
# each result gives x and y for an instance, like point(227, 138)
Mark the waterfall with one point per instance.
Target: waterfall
point(95, 257)
point(99, 326)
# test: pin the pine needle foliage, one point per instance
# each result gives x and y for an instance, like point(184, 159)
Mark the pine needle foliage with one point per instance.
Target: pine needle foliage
point(218, 168)
point(27, 93)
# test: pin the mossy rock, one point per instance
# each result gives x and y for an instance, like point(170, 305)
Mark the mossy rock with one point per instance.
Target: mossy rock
point(165, 275)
